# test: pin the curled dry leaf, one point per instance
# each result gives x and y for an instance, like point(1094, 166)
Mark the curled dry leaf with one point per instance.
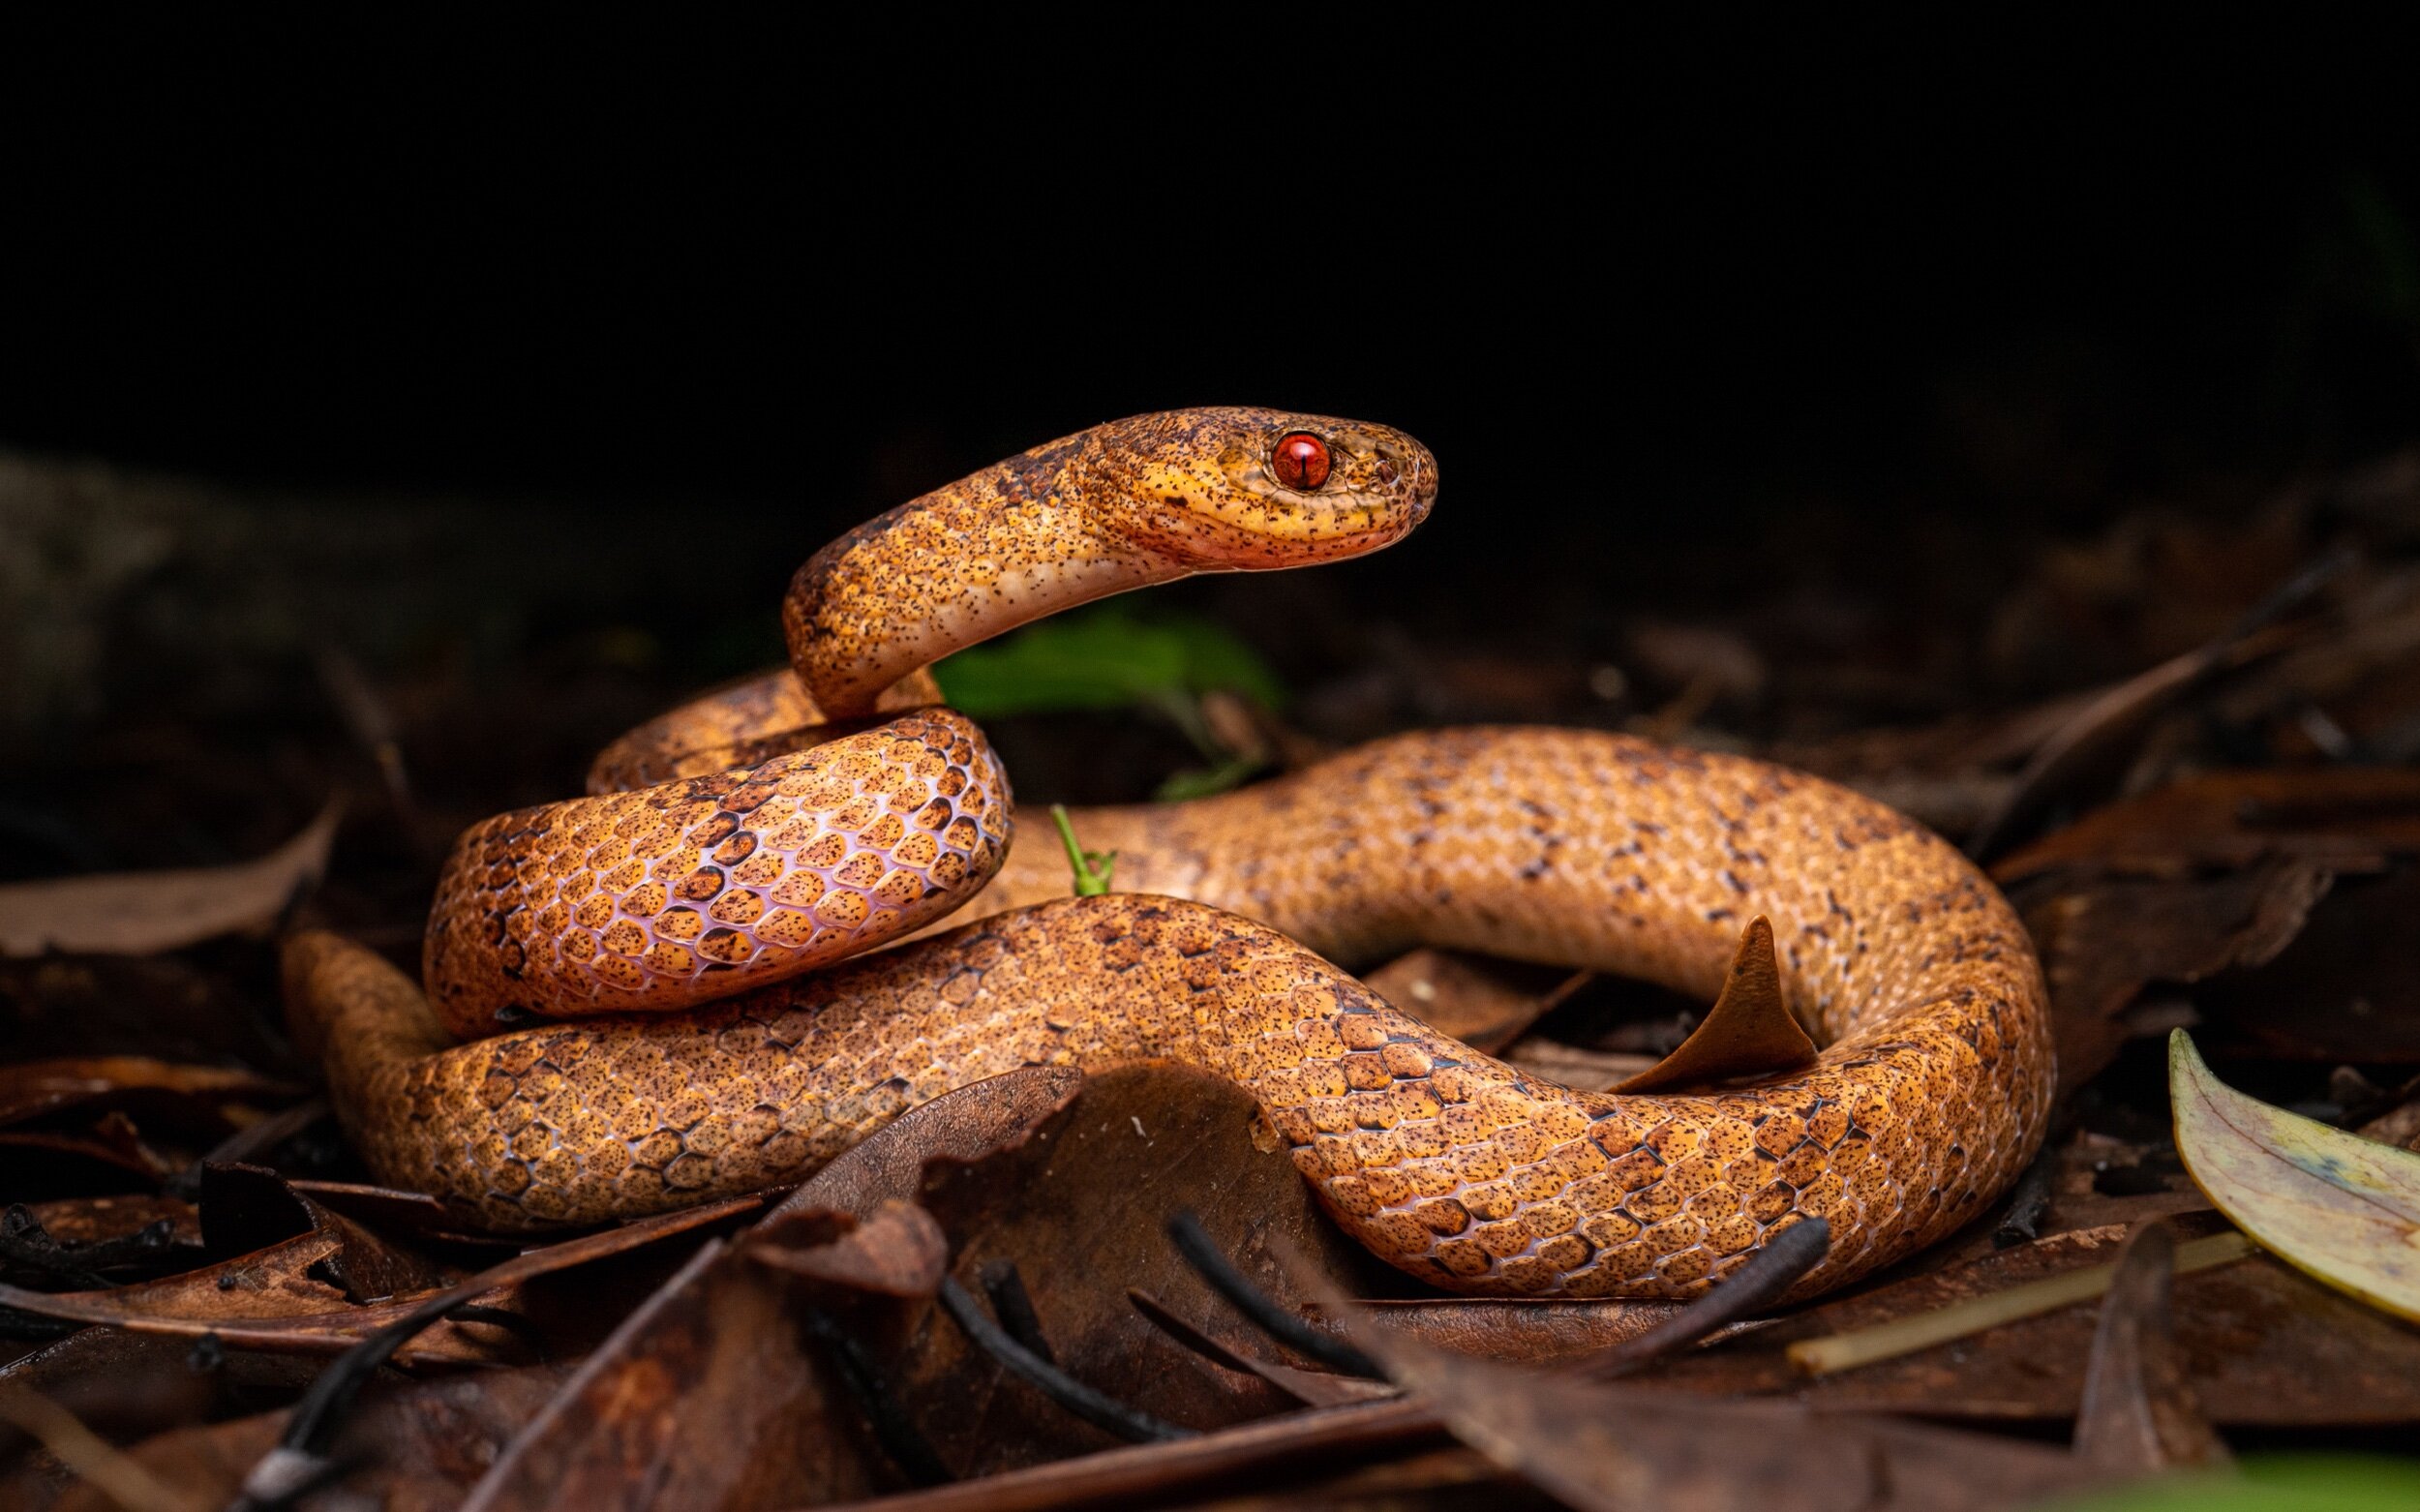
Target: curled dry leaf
point(2139, 1413)
point(1749, 1032)
point(2343, 818)
point(710, 1380)
point(2339, 1207)
point(2104, 939)
point(1080, 1209)
point(138, 912)
point(965, 1125)
point(248, 1207)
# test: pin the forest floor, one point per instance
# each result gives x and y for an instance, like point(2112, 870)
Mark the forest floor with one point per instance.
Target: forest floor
point(2184, 746)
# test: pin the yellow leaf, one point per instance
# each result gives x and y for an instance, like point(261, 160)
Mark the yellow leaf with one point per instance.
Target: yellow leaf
point(2342, 1208)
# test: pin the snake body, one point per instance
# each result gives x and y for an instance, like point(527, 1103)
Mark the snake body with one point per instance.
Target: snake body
point(700, 906)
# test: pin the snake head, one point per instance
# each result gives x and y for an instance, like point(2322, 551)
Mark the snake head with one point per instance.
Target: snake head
point(1240, 490)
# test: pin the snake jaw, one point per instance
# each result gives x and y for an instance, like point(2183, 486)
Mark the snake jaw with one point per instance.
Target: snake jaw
point(1207, 498)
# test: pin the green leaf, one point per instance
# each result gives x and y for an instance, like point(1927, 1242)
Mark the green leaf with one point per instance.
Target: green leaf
point(2342, 1208)
point(2271, 1483)
point(1103, 659)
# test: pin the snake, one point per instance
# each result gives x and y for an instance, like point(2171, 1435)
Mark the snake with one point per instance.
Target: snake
point(733, 958)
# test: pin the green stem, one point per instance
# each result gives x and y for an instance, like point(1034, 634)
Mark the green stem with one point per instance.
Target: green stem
point(1092, 869)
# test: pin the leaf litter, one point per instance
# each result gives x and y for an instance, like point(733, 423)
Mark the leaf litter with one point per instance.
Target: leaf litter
point(2207, 820)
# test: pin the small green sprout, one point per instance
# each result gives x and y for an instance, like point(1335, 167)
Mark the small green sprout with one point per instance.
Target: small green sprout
point(1092, 869)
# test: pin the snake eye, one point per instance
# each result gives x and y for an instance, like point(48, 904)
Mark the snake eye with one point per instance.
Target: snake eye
point(1300, 461)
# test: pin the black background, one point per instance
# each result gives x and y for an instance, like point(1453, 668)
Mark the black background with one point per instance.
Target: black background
point(1665, 302)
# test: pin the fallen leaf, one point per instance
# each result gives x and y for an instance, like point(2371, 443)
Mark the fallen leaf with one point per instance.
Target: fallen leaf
point(268, 1300)
point(1589, 1071)
point(967, 1123)
point(1749, 1032)
point(94, 1220)
point(1080, 1209)
point(1598, 1446)
point(2104, 939)
point(2341, 818)
point(1481, 1000)
point(248, 1207)
point(897, 1252)
point(2339, 1207)
point(34, 1089)
point(2139, 1414)
point(2336, 990)
point(2093, 746)
point(2263, 1346)
point(1156, 1473)
point(137, 913)
point(413, 1448)
point(702, 1399)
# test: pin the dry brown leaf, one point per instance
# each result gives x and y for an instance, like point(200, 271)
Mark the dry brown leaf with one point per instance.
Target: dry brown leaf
point(32, 1089)
point(2104, 939)
point(965, 1125)
point(1608, 1447)
point(411, 1450)
point(1080, 1209)
point(269, 1301)
point(1748, 1032)
point(2341, 818)
point(1481, 1000)
point(2139, 1414)
point(702, 1399)
point(134, 913)
point(2263, 1346)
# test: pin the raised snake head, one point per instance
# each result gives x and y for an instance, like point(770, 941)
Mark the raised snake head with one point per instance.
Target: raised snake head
point(1246, 489)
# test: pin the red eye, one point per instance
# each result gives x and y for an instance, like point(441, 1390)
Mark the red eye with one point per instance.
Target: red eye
point(1300, 461)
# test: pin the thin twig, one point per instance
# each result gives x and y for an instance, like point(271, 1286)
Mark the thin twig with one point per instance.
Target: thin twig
point(2021, 1223)
point(1201, 1251)
point(1907, 1335)
point(108, 1470)
point(1094, 1407)
point(1751, 1288)
point(894, 1430)
point(1005, 1288)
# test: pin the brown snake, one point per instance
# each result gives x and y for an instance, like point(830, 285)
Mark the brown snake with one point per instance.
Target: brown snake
point(710, 896)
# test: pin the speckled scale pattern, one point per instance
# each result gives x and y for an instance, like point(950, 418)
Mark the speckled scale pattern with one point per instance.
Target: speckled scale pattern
point(1134, 502)
point(692, 890)
point(1568, 845)
point(1576, 847)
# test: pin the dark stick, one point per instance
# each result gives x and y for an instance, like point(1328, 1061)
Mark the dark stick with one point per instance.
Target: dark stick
point(1006, 1288)
point(1102, 1410)
point(2021, 1223)
point(1751, 1288)
point(1200, 1251)
point(897, 1433)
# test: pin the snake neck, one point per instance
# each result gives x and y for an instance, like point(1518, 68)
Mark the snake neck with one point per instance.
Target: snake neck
point(985, 555)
